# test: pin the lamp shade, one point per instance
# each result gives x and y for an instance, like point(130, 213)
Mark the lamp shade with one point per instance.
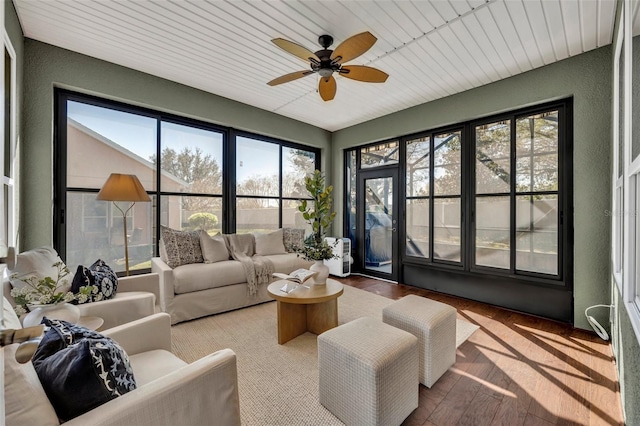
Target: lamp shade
point(121, 187)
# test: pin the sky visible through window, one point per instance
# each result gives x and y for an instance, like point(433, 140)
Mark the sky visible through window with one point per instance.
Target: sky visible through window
point(138, 134)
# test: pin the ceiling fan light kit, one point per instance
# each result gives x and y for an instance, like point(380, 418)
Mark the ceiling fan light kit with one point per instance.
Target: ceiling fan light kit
point(326, 61)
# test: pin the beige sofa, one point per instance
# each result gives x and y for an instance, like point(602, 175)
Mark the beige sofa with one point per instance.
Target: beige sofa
point(200, 289)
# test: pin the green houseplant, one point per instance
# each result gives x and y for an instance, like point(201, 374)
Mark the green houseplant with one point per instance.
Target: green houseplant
point(317, 213)
point(48, 296)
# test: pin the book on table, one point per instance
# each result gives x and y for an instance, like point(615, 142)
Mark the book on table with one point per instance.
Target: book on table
point(298, 276)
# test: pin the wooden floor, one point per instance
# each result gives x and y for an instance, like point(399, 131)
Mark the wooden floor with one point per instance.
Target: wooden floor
point(515, 370)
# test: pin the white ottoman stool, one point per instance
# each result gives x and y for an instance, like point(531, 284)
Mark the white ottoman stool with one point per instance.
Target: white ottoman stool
point(368, 373)
point(434, 324)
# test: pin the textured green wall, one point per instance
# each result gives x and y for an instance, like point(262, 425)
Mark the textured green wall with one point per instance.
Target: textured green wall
point(587, 78)
point(47, 67)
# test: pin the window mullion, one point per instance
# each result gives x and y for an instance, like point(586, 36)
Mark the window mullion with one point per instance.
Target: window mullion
point(512, 194)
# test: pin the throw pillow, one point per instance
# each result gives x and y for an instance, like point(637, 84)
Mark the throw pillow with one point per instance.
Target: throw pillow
point(270, 243)
point(292, 238)
point(39, 263)
point(100, 275)
point(183, 247)
point(87, 369)
point(213, 248)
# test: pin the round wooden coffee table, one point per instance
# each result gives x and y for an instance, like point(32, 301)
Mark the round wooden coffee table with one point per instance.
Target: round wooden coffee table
point(311, 308)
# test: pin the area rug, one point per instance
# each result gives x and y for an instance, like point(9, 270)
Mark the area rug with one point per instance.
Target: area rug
point(278, 384)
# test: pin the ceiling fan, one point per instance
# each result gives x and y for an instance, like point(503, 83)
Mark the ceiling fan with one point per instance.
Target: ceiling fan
point(326, 61)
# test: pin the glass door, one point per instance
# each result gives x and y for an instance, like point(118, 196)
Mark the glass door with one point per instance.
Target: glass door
point(377, 214)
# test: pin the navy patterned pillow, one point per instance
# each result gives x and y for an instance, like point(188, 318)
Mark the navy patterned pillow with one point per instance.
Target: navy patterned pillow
point(100, 275)
point(80, 369)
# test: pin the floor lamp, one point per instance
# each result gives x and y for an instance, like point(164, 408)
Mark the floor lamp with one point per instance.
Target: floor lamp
point(121, 187)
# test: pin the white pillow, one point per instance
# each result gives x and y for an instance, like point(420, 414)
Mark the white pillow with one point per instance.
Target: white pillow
point(39, 263)
point(214, 248)
point(271, 243)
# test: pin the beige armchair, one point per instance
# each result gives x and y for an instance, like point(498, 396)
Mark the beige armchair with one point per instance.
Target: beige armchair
point(169, 391)
point(137, 296)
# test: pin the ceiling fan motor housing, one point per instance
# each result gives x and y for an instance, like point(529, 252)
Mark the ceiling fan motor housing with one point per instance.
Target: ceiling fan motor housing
point(325, 40)
point(326, 67)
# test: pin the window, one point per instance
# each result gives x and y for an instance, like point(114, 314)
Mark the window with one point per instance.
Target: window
point(270, 180)
point(516, 202)
point(191, 177)
point(8, 216)
point(101, 141)
point(487, 196)
point(379, 155)
point(433, 198)
point(183, 165)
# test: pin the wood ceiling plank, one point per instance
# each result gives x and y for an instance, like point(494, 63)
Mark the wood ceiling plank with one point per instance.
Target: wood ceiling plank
point(429, 14)
point(540, 28)
point(479, 48)
point(506, 26)
point(456, 55)
point(444, 82)
point(555, 27)
point(487, 48)
point(570, 12)
point(588, 22)
point(489, 26)
point(518, 16)
point(606, 21)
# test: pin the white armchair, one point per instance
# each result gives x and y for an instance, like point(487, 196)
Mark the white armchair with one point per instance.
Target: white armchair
point(137, 296)
point(169, 391)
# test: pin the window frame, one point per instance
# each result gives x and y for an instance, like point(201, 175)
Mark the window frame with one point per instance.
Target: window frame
point(631, 174)
point(564, 278)
point(564, 192)
point(229, 135)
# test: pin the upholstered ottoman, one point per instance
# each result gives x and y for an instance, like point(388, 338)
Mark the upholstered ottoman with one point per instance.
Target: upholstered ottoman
point(434, 324)
point(368, 372)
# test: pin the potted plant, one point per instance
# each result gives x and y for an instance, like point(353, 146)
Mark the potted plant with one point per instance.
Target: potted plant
point(317, 213)
point(48, 297)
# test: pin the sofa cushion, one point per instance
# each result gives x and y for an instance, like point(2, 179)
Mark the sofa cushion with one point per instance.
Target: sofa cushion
point(196, 277)
point(287, 263)
point(292, 238)
point(100, 275)
point(151, 365)
point(39, 263)
point(270, 243)
point(214, 249)
point(182, 247)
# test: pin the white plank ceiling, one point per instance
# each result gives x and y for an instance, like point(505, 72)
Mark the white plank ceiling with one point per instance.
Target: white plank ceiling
point(430, 49)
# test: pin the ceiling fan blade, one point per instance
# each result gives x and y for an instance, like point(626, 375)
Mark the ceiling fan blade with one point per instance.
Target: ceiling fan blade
point(363, 73)
point(327, 88)
point(295, 49)
point(289, 77)
point(353, 47)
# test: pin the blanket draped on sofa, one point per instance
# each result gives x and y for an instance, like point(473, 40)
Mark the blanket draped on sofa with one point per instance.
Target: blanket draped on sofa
point(258, 269)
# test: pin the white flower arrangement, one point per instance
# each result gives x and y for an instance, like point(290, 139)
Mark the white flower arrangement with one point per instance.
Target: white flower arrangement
point(47, 291)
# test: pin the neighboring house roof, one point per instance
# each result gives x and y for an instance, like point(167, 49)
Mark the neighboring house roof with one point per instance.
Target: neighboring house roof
point(124, 151)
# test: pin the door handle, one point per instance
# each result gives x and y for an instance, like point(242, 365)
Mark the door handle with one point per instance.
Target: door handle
point(393, 229)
